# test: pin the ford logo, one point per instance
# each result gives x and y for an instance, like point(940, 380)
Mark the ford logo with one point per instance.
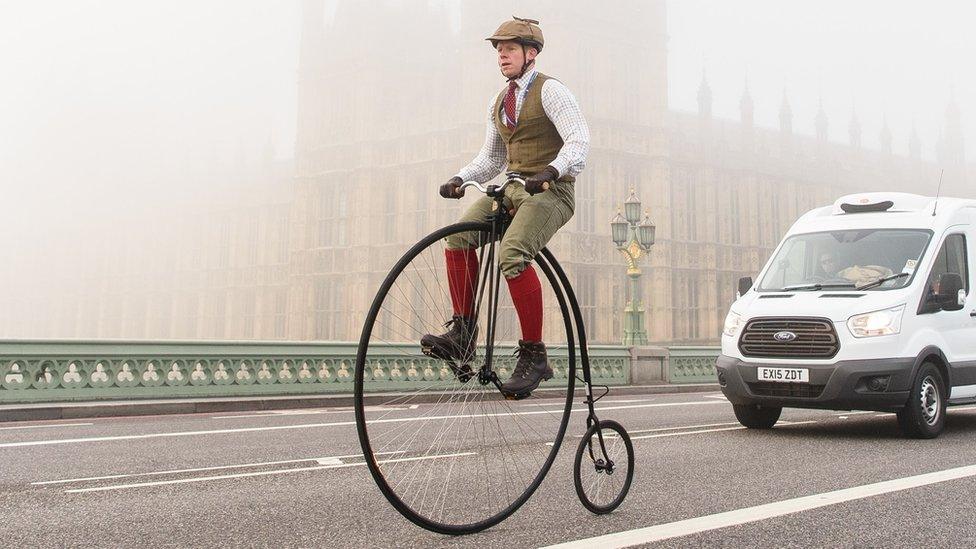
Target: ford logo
point(784, 337)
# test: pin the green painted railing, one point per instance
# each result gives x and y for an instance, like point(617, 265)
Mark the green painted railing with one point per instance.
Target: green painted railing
point(692, 364)
point(38, 371)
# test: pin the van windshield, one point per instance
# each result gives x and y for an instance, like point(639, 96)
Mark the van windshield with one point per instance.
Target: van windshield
point(860, 259)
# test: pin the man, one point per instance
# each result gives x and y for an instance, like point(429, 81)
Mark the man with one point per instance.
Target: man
point(536, 128)
point(828, 265)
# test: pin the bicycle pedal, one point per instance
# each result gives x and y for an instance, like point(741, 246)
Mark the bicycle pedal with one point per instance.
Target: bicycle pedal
point(463, 373)
point(519, 396)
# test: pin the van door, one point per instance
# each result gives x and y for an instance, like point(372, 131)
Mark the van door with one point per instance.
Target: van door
point(957, 327)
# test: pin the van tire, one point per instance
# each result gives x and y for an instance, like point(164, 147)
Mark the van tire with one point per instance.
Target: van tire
point(756, 417)
point(924, 420)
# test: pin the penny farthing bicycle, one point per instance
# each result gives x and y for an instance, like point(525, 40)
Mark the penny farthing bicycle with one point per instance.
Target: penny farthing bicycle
point(451, 453)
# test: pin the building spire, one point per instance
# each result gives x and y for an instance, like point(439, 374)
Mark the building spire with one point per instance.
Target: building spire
point(885, 137)
point(704, 97)
point(746, 108)
point(785, 115)
point(821, 122)
point(854, 129)
point(914, 143)
point(951, 149)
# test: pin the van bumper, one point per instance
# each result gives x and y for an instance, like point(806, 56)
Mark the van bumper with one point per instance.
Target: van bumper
point(844, 385)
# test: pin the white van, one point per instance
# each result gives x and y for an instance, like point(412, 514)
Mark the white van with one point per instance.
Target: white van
point(865, 304)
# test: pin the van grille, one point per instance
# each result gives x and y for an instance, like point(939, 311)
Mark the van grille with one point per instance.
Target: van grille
point(815, 338)
point(796, 390)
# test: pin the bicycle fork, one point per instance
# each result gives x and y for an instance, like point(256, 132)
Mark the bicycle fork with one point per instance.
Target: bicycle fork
point(491, 281)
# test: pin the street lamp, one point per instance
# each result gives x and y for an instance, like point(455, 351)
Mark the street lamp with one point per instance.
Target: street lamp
point(634, 238)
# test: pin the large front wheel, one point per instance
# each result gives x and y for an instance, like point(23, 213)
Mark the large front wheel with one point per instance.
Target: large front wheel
point(443, 445)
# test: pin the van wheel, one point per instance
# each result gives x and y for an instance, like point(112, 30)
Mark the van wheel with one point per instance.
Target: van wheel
point(755, 417)
point(924, 415)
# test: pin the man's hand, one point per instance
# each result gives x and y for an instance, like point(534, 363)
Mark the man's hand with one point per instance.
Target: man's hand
point(536, 184)
point(452, 189)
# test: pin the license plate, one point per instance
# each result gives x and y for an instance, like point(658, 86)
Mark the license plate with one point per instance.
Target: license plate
point(784, 375)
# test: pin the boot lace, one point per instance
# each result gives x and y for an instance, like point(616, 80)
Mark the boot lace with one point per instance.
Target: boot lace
point(524, 364)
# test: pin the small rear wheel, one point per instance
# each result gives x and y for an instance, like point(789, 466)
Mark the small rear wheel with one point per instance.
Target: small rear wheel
point(604, 467)
point(924, 415)
point(757, 417)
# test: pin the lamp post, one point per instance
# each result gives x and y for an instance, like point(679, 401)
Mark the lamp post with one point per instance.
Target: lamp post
point(634, 238)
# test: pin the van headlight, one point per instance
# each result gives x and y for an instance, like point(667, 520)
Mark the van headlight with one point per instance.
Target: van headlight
point(732, 324)
point(877, 323)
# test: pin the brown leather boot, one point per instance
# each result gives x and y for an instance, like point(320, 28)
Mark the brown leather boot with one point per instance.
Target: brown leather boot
point(457, 344)
point(531, 370)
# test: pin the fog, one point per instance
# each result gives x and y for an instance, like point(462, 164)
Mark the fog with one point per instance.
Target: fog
point(127, 127)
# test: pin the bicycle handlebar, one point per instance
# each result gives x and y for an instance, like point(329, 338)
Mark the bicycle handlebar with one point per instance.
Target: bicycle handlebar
point(511, 179)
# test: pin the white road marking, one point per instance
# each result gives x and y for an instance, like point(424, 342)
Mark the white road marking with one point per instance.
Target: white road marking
point(841, 417)
point(285, 413)
point(958, 408)
point(696, 432)
point(321, 461)
point(747, 515)
point(655, 405)
point(682, 430)
point(45, 426)
point(314, 425)
point(681, 427)
point(257, 473)
point(682, 433)
point(279, 415)
point(721, 397)
point(628, 401)
point(659, 429)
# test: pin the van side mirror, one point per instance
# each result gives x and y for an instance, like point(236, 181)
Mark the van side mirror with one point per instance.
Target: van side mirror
point(952, 294)
point(745, 284)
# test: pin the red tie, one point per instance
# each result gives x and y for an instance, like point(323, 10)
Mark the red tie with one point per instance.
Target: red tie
point(510, 105)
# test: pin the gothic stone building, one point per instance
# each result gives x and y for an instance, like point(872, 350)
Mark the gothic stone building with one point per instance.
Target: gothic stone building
point(380, 128)
point(379, 132)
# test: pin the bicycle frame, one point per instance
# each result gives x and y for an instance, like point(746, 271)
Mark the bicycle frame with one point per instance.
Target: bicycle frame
point(490, 282)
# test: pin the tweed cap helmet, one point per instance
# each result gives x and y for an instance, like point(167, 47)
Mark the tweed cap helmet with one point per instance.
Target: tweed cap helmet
point(524, 31)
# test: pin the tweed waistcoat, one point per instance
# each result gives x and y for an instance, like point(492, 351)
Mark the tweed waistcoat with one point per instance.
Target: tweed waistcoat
point(535, 142)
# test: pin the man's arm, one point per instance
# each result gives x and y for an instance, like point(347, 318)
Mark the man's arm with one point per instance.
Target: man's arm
point(564, 112)
point(491, 160)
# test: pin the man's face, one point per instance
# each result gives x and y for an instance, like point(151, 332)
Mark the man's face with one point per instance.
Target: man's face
point(828, 264)
point(511, 57)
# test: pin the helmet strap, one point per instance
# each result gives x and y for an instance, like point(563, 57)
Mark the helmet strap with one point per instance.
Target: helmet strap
point(525, 64)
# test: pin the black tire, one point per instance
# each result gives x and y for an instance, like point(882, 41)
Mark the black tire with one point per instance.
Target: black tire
point(466, 458)
point(601, 490)
point(757, 417)
point(924, 414)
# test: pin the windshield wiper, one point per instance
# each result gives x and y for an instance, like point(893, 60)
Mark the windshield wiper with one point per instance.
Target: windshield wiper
point(881, 281)
point(818, 286)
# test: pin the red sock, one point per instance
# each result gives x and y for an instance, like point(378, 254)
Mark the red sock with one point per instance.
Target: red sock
point(462, 278)
point(527, 296)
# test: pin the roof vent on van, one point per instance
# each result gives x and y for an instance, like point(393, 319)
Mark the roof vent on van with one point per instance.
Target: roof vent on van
point(864, 208)
point(880, 202)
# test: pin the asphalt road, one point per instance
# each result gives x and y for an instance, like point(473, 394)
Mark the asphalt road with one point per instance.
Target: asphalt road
point(293, 479)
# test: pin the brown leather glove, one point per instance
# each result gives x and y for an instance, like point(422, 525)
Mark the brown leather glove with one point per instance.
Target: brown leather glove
point(452, 189)
point(536, 184)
